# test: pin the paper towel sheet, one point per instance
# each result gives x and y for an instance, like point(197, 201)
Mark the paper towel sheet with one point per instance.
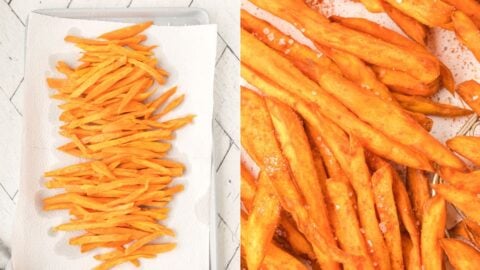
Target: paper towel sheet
point(188, 53)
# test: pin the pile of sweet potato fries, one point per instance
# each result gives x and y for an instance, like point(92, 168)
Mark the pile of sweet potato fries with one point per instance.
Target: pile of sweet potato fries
point(119, 195)
point(340, 135)
point(416, 17)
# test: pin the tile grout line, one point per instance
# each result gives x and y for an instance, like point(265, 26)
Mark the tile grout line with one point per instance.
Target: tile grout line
point(16, 15)
point(224, 156)
point(16, 89)
point(231, 258)
point(5, 190)
point(222, 220)
point(226, 133)
point(221, 55)
point(228, 46)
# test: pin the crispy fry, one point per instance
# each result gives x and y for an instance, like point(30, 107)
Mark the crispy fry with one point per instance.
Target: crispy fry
point(411, 27)
point(356, 70)
point(261, 222)
point(418, 186)
point(368, 48)
point(403, 82)
point(468, 33)
point(460, 254)
point(463, 180)
point(382, 181)
point(470, 7)
point(447, 78)
point(433, 226)
point(297, 82)
point(348, 227)
point(265, 151)
point(431, 13)
point(297, 241)
point(463, 230)
point(424, 121)
point(374, 29)
point(285, 43)
point(407, 217)
point(470, 92)
point(466, 146)
point(295, 147)
point(248, 188)
point(429, 107)
point(275, 257)
point(373, 5)
point(464, 200)
point(411, 256)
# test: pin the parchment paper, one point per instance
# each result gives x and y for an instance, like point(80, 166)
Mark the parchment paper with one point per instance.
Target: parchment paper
point(188, 53)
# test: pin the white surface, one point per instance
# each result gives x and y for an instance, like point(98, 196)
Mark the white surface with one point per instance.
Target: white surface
point(13, 15)
point(34, 246)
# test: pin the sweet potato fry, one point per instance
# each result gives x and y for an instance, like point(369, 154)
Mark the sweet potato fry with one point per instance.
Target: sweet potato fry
point(270, 65)
point(356, 70)
point(466, 201)
point(248, 188)
point(270, 35)
point(466, 146)
point(447, 78)
point(431, 13)
point(295, 147)
point(297, 241)
point(411, 256)
point(372, 5)
point(275, 257)
point(376, 30)
point(405, 211)
point(418, 186)
point(259, 140)
point(474, 229)
point(469, 91)
point(382, 181)
point(463, 180)
point(261, 223)
point(424, 121)
point(460, 254)
point(429, 107)
point(366, 47)
point(348, 228)
point(352, 161)
point(126, 32)
point(467, 32)
point(403, 82)
point(411, 27)
point(470, 7)
point(463, 230)
point(433, 227)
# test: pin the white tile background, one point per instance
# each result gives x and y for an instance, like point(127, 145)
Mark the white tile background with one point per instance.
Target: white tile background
point(13, 19)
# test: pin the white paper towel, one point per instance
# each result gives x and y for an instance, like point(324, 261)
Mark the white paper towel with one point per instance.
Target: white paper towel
point(188, 53)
